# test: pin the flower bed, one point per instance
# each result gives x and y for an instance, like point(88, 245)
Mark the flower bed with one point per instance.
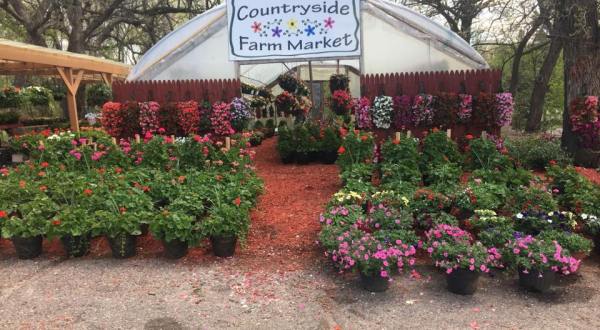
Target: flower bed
point(78, 186)
point(468, 226)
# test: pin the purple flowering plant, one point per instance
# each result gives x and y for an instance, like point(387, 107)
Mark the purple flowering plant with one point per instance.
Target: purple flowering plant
point(362, 111)
point(403, 112)
point(465, 108)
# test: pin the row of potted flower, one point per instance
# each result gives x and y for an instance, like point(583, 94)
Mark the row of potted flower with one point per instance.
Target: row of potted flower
point(177, 118)
point(72, 189)
point(425, 179)
point(308, 142)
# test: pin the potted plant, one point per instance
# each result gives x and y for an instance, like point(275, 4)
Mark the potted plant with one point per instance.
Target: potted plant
point(371, 257)
point(120, 219)
point(225, 224)
point(452, 249)
point(338, 82)
point(575, 244)
point(176, 230)
point(5, 154)
point(256, 138)
point(591, 225)
point(73, 225)
point(269, 129)
point(538, 261)
point(329, 146)
point(26, 224)
point(286, 146)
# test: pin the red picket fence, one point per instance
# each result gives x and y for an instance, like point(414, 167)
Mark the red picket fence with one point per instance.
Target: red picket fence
point(177, 90)
point(468, 82)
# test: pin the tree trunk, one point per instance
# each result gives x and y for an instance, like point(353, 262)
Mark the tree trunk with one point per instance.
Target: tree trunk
point(582, 58)
point(519, 52)
point(540, 87)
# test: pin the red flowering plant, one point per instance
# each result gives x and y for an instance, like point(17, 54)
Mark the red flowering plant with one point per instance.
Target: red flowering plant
point(130, 113)
point(342, 102)
point(112, 118)
point(221, 119)
point(484, 111)
point(188, 117)
point(357, 148)
point(149, 117)
point(584, 121)
point(452, 248)
point(287, 103)
point(446, 110)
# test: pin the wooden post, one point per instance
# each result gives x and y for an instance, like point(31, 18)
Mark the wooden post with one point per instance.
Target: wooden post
point(310, 76)
point(114, 141)
point(398, 136)
point(449, 133)
point(408, 133)
point(484, 135)
point(227, 143)
point(137, 139)
point(72, 82)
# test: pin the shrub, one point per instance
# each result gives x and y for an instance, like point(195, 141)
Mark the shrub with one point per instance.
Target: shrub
point(537, 152)
point(9, 118)
point(438, 149)
point(331, 141)
point(97, 94)
point(483, 154)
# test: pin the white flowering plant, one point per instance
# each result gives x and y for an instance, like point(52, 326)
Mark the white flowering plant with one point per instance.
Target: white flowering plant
point(591, 224)
point(382, 110)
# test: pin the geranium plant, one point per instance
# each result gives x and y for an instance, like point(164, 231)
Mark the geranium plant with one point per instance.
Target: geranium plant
point(175, 226)
point(287, 103)
point(112, 118)
point(341, 102)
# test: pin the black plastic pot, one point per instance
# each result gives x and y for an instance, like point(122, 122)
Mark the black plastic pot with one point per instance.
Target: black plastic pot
point(122, 246)
point(532, 281)
point(462, 281)
point(28, 247)
point(145, 229)
point(5, 157)
point(303, 158)
point(374, 283)
point(76, 246)
point(597, 244)
point(328, 157)
point(223, 247)
point(288, 159)
point(175, 249)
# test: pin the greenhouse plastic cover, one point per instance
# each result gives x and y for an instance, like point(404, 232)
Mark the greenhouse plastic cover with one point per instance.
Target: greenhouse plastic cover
point(395, 39)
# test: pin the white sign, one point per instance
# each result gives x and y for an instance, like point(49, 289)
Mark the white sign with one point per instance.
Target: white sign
point(293, 29)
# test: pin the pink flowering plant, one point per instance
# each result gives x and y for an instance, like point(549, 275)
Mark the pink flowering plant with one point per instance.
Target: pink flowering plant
point(529, 254)
point(149, 117)
point(221, 119)
point(504, 109)
point(403, 112)
point(423, 111)
point(465, 108)
point(452, 248)
point(362, 111)
point(188, 116)
point(371, 256)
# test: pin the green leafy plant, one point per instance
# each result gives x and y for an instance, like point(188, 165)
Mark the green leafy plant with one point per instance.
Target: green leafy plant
point(537, 152)
point(30, 219)
point(571, 242)
point(175, 226)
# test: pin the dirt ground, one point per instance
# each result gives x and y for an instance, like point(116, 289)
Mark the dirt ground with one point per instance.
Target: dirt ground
point(279, 280)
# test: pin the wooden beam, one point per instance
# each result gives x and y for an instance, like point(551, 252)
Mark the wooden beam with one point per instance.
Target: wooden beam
point(72, 82)
point(19, 52)
point(108, 79)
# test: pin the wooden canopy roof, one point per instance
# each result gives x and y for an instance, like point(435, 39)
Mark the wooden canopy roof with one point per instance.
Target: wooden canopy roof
point(19, 58)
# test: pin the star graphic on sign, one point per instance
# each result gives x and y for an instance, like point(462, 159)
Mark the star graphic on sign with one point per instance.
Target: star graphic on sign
point(257, 27)
point(329, 23)
point(310, 30)
point(276, 32)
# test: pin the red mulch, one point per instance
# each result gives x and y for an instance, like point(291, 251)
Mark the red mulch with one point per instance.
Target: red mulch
point(284, 225)
point(590, 173)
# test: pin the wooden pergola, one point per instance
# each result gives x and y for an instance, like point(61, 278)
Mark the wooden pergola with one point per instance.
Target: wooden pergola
point(18, 58)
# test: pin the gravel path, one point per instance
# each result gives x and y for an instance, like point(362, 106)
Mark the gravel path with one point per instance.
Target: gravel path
point(280, 281)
